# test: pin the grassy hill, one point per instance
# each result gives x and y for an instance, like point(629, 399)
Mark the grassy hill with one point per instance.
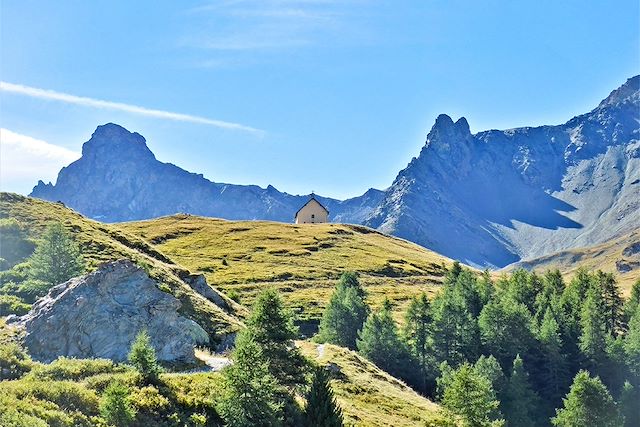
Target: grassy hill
point(303, 261)
point(367, 395)
point(620, 256)
point(103, 242)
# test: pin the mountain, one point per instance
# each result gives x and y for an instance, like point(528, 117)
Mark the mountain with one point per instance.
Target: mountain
point(118, 178)
point(488, 199)
point(496, 197)
point(620, 255)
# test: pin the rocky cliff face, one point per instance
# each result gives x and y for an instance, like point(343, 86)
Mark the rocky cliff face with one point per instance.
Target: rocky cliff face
point(99, 315)
point(119, 179)
point(487, 199)
point(495, 197)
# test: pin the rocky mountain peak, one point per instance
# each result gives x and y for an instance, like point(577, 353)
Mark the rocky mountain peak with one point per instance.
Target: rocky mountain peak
point(112, 141)
point(630, 90)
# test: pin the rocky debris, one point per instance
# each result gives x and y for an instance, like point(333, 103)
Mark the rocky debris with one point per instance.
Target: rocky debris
point(99, 315)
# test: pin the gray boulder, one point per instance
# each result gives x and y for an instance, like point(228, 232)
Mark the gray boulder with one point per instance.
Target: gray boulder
point(99, 315)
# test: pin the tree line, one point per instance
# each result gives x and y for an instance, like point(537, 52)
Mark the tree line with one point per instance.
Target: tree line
point(527, 350)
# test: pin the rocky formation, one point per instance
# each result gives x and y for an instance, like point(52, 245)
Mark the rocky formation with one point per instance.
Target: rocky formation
point(119, 179)
point(488, 199)
point(99, 315)
point(496, 197)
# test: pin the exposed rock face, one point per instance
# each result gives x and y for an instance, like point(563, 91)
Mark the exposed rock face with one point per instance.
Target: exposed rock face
point(119, 179)
point(488, 199)
point(495, 197)
point(99, 315)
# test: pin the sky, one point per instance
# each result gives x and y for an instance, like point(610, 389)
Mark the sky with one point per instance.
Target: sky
point(307, 95)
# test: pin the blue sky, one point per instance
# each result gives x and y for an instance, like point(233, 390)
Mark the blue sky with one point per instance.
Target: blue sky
point(305, 95)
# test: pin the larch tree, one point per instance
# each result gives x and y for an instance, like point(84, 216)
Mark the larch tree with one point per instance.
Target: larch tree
point(57, 257)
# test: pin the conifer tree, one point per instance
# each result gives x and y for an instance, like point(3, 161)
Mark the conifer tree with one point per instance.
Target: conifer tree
point(612, 302)
point(143, 357)
point(455, 333)
point(553, 374)
point(593, 339)
point(322, 410)
point(345, 314)
point(272, 328)
point(548, 298)
point(633, 301)
point(505, 329)
point(488, 367)
point(417, 330)
point(471, 397)
point(485, 288)
point(115, 407)
point(380, 342)
point(588, 403)
point(520, 402)
point(452, 273)
point(57, 257)
point(632, 346)
point(630, 405)
point(250, 396)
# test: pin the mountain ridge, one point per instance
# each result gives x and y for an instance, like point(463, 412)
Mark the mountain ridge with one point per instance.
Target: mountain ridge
point(488, 199)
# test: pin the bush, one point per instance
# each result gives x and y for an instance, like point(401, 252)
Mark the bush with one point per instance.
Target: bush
point(14, 362)
point(10, 304)
point(143, 357)
point(115, 407)
point(66, 395)
point(65, 368)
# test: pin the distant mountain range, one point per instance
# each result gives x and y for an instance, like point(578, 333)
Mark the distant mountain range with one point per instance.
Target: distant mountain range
point(487, 199)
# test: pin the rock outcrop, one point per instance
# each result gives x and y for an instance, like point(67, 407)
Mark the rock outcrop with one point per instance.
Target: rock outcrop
point(99, 315)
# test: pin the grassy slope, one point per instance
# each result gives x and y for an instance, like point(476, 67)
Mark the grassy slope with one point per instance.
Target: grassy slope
point(369, 396)
point(102, 242)
point(302, 261)
point(604, 257)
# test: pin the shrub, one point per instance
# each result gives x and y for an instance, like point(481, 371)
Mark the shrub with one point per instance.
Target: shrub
point(143, 357)
point(14, 362)
point(10, 304)
point(65, 368)
point(115, 407)
point(67, 395)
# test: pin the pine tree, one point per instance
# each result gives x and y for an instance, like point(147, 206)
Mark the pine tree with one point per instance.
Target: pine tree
point(548, 298)
point(629, 405)
point(272, 328)
point(416, 332)
point(250, 396)
point(485, 288)
point(115, 407)
point(489, 368)
point(505, 329)
point(633, 301)
point(471, 397)
point(519, 404)
point(455, 333)
point(345, 314)
point(322, 410)
point(380, 342)
point(593, 339)
point(553, 374)
point(523, 287)
point(57, 257)
point(588, 403)
point(453, 272)
point(143, 357)
point(632, 346)
point(612, 302)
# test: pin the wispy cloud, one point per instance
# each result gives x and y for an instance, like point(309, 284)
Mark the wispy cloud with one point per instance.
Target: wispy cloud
point(269, 25)
point(128, 108)
point(24, 160)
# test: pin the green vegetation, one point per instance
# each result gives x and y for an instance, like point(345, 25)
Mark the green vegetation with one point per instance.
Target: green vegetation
point(56, 258)
point(29, 219)
point(301, 261)
point(588, 403)
point(143, 357)
point(345, 313)
point(322, 410)
point(115, 407)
